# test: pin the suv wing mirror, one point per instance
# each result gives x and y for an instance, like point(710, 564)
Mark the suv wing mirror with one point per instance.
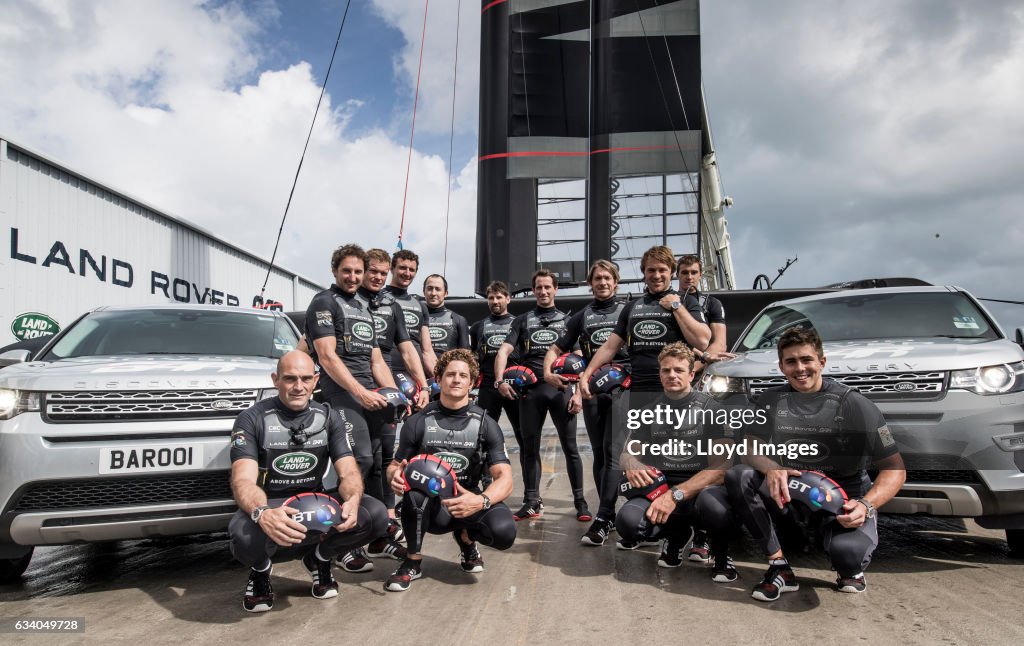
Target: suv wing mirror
point(12, 357)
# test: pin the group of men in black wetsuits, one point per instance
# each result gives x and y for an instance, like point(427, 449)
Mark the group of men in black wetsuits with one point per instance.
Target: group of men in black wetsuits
point(366, 335)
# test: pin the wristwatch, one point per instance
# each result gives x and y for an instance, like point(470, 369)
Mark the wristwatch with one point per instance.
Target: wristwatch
point(676, 305)
point(497, 384)
point(868, 506)
point(487, 501)
point(678, 495)
point(256, 513)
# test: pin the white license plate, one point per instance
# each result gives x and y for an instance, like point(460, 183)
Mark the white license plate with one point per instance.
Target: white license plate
point(152, 458)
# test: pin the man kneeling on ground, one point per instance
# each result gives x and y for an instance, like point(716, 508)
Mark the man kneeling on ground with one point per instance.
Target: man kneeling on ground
point(269, 435)
point(466, 438)
point(695, 497)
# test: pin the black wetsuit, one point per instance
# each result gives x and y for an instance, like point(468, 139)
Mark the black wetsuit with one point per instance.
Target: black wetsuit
point(414, 311)
point(293, 450)
point(590, 328)
point(532, 334)
point(349, 319)
point(485, 338)
point(850, 434)
point(448, 330)
point(469, 441)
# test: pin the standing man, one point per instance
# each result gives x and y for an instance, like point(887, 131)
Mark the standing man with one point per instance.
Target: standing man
point(695, 496)
point(486, 337)
point(392, 335)
point(269, 433)
point(689, 274)
point(448, 329)
point(848, 434)
point(589, 329)
point(462, 435)
point(645, 326)
point(532, 334)
point(341, 327)
point(404, 265)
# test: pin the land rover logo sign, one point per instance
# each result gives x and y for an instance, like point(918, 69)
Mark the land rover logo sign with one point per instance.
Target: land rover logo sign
point(600, 336)
point(495, 341)
point(295, 464)
point(362, 331)
point(221, 404)
point(544, 337)
point(437, 333)
point(650, 330)
point(411, 320)
point(457, 462)
point(379, 324)
point(905, 386)
point(32, 325)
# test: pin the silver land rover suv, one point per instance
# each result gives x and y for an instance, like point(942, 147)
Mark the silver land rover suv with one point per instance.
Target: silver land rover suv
point(120, 427)
point(946, 377)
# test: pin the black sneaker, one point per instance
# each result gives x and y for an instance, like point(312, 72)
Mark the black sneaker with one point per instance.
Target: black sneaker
point(529, 510)
point(324, 585)
point(395, 531)
point(470, 560)
point(259, 594)
point(777, 579)
point(355, 561)
point(852, 584)
point(399, 581)
point(671, 554)
point(700, 551)
point(598, 532)
point(582, 511)
point(724, 571)
point(385, 546)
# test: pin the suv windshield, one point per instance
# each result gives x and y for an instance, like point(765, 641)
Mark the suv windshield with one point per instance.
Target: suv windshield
point(172, 331)
point(874, 316)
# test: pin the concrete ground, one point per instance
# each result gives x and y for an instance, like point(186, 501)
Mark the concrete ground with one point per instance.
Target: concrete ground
point(931, 581)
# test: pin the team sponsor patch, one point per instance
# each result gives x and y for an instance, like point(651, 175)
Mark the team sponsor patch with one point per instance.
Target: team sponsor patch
point(411, 320)
point(495, 340)
point(650, 330)
point(362, 331)
point(238, 439)
point(324, 318)
point(437, 333)
point(885, 435)
point(544, 337)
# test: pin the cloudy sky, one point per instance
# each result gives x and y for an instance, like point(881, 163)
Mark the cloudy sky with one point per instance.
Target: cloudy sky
point(869, 139)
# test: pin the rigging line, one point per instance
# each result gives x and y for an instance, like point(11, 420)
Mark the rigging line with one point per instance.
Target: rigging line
point(668, 112)
point(412, 130)
point(451, 139)
point(522, 60)
point(686, 120)
point(305, 147)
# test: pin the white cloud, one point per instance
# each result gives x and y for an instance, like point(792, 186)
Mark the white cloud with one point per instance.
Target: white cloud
point(167, 102)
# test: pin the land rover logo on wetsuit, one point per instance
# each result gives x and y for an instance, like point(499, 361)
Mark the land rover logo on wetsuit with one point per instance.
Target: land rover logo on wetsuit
point(544, 337)
point(905, 386)
point(362, 331)
point(599, 337)
point(379, 324)
point(495, 341)
point(295, 464)
point(457, 462)
point(437, 333)
point(650, 330)
point(411, 320)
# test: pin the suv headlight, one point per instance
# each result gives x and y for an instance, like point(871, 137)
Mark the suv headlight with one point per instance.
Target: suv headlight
point(990, 380)
point(266, 393)
point(720, 385)
point(16, 402)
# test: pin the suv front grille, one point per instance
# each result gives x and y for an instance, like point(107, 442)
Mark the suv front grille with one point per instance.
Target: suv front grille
point(876, 386)
point(129, 405)
point(95, 493)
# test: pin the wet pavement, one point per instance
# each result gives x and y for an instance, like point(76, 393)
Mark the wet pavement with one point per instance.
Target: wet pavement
point(931, 581)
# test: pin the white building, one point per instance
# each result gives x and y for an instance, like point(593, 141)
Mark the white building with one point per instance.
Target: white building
point(72, 244)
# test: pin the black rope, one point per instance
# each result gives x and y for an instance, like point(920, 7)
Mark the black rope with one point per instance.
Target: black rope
point(298, 170)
